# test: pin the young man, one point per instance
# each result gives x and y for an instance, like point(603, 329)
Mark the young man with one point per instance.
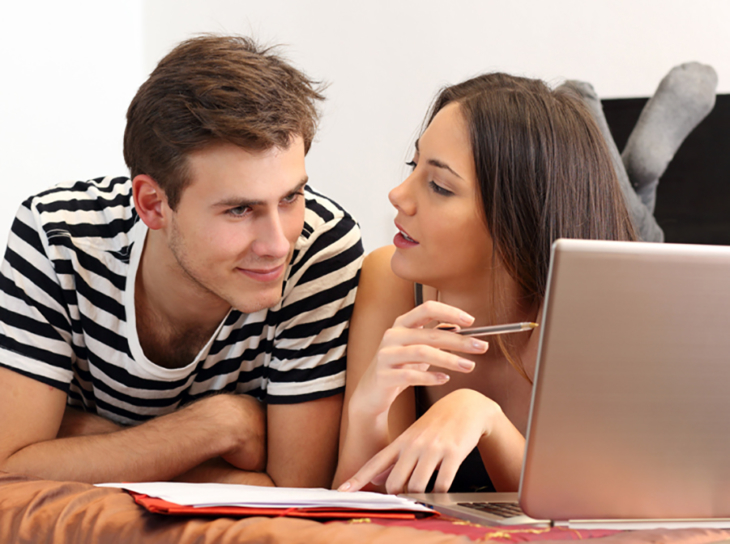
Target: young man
point(215, 269)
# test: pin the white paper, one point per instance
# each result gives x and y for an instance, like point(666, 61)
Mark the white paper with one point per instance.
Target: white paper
point(200, 495)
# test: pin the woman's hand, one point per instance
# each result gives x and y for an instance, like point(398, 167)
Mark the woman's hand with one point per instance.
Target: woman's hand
point(407, 352)
point(441, 439)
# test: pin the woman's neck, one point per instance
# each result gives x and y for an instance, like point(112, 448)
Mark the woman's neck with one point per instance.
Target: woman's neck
point(494, 297)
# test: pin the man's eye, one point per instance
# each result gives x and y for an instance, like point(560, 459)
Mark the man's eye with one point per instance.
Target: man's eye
point(290, 199)
point(436, 188)
point(238, 211)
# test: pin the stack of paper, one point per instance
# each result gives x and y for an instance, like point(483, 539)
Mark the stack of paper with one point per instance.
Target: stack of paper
point(260, 500)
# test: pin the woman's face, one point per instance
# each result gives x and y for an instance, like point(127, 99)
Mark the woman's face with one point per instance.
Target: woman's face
point(442, 240)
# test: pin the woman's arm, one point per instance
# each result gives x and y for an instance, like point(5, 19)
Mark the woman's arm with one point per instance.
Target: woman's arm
point(441, 439)
point(388, 353)
point(381, 298)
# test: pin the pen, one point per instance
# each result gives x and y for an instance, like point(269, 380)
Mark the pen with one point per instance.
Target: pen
point(492, 329)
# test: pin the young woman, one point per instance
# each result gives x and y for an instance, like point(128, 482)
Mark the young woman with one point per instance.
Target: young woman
point(503, 168)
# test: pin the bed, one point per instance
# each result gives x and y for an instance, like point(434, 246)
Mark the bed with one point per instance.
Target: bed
point(39, 511)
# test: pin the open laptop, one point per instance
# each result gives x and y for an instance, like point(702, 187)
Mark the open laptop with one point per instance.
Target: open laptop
point(630, 412)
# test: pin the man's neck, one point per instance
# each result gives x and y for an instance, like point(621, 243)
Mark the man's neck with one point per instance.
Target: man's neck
point(175, 316)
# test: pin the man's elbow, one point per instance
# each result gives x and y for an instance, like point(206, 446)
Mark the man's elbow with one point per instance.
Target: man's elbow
point(247, 428)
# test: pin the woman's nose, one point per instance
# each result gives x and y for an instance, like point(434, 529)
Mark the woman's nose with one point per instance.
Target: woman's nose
point(400, 197)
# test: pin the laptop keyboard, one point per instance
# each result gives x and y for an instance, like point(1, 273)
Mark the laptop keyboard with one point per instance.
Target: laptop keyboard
point(501, 509)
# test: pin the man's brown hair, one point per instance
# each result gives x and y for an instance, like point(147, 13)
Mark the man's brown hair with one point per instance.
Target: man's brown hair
point(213, 89)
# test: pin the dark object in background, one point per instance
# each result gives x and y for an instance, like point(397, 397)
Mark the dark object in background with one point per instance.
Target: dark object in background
point(693, 198)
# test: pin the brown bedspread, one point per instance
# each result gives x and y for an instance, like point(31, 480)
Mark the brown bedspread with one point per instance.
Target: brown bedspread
point(38, 511)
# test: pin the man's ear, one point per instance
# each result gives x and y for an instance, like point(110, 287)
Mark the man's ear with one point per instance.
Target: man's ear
point(150, 201)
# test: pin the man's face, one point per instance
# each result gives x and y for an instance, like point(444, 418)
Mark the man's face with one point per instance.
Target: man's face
point(234, 229)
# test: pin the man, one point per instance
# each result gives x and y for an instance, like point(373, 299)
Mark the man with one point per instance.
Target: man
point(215, 269)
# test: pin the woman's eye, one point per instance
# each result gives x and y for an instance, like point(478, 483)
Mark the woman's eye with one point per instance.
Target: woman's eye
point(412, 164)
point(436, 188)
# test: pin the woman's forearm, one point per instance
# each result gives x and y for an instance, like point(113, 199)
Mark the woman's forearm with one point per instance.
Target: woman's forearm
point(502, 451)
point(365, 435)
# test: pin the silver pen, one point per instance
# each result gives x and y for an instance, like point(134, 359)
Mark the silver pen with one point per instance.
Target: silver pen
point(492, 329)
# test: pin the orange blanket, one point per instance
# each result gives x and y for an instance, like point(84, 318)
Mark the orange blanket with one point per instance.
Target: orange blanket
point(38, 511)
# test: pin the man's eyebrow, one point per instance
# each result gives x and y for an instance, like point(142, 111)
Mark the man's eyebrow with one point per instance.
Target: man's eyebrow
point(438, 164)
point(243, 203)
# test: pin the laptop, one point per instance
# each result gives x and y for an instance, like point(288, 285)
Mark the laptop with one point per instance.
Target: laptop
point(630, 412)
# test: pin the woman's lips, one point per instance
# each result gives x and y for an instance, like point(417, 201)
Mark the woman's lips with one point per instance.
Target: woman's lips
point(402, 240)
point(263, 274)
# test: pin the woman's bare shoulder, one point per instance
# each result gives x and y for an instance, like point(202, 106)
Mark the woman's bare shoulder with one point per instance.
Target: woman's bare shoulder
point(381, 298)
point(379, 285)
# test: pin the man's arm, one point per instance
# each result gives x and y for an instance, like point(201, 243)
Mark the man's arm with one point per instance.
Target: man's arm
point(230, 426)
point(221, 471)
point(76, 422)
point(79, 423)
point(303, 442)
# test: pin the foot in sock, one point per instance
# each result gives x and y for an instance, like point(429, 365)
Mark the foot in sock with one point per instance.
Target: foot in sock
point(646, 226)
point(684, 97)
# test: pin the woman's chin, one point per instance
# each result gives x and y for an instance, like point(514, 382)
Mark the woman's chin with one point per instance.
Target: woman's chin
point(405, 267)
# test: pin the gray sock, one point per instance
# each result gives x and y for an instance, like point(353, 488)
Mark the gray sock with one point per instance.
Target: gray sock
point(646, 226)
point(684, 97)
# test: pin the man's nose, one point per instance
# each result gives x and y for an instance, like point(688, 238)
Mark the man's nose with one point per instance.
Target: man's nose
point(271, 240)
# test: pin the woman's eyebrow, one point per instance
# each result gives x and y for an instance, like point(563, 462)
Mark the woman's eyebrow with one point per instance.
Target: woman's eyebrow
point(438, 164)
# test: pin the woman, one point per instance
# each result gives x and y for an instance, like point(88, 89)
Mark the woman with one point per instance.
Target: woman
point(503, 168)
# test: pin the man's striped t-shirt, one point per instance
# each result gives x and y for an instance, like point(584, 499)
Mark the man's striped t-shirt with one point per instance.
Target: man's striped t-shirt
point(67, 309)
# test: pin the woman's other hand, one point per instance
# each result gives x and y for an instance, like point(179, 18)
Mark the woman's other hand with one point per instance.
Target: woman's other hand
point(441, 439)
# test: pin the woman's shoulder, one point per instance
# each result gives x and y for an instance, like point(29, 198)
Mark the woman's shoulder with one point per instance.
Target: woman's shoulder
point(379, 260)
point(378, 277)
point(379, 283)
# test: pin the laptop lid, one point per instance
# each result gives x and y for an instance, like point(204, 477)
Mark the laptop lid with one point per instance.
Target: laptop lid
point(630, 414)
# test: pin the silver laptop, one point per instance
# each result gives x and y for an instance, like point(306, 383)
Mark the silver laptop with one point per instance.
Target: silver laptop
point(630, 413)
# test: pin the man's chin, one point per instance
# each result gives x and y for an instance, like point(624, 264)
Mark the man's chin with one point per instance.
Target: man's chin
point(257, 301)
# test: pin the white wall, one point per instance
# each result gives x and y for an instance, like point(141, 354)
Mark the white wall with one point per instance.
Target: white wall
point(384, 60)
point(69, 70)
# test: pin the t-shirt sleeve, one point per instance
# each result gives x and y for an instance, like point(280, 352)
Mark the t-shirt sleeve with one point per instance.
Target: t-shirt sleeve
point(309, 354)
point(35, 330)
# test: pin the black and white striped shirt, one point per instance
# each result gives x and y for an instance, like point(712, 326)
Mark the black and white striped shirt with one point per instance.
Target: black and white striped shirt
point(67, 309)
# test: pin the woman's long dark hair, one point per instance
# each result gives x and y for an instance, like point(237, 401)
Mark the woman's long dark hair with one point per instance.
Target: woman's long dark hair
point(544, 172)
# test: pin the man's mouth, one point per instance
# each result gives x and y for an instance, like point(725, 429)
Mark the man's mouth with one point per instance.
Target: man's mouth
point(264, 274)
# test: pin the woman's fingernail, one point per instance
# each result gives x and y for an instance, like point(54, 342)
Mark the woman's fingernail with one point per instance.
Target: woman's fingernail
point(345, 486)
point(479, 344)
point(466, 364)
point(442, 378)
point(466, 318)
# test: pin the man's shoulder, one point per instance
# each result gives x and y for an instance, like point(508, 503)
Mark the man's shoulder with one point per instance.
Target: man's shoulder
point(330, 245)
point(321, 211)
point(83, 196)
point(95, 209)
point(328, 229)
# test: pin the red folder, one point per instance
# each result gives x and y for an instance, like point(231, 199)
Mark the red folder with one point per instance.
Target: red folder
point(161, 506)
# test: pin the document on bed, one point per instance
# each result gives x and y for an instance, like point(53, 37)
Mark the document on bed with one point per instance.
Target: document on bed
point(210, 495)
